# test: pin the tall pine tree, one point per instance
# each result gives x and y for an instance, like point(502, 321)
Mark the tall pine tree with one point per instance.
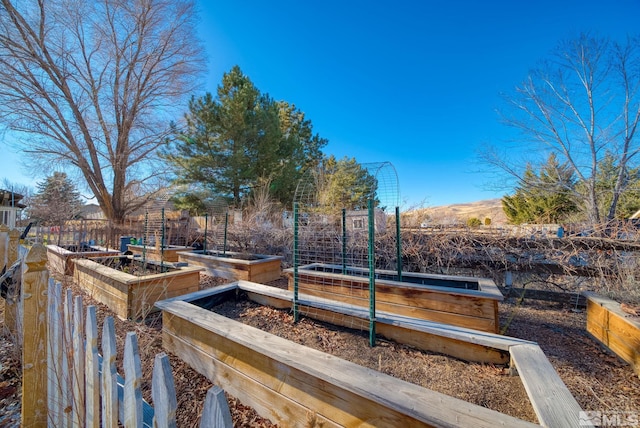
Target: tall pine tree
point(241, 138)
point(545, 197)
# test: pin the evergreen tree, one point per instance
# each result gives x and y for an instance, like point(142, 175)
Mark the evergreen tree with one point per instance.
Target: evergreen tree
point(56, 201)
point(242, 138)
point(608, 173)
point(346, 185)
point(542, 198)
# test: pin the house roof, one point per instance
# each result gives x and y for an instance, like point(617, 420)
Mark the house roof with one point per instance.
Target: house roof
point(11, 199)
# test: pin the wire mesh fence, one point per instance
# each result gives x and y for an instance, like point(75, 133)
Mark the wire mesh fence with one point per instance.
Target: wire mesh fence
point(338, 211)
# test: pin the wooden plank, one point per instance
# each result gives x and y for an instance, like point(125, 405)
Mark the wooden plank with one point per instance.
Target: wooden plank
point(485, 339)
point(92, 366)
point(551, 400)
point(615, 329)
point(78, 360)
point(11, 304)
point(215, 412)
point(265, 401)
point(35, 280)
point(67, 388)
point(333, 387)
point(163, 392)
point(132, 402)
point(54, 355)
point(200, 295)
point(109, 375)
point(4, 245)
point(466, 308)
point(486, 322)
point(128, 296)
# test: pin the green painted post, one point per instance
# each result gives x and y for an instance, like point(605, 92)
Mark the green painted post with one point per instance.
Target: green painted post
point(162, 244)
point(296, 262)
point(206, 226)
point(144, 243)
point(226, 224)
point(398, 245)
point(344, 241)
point(372, 277)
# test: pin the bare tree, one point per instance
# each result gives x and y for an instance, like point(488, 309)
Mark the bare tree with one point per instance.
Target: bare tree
point(94, 85)
point(582, 103)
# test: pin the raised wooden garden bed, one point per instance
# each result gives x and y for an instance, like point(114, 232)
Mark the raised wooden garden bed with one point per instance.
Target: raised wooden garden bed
point(456, 300)
point(60, 259)
point(168, 253)
point(614, 328)
point(130, 296)
point(236, 266)
point(291, 384)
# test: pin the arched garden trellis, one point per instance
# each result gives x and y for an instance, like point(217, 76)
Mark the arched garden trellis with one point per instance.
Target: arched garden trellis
point(216, 225)
point(155, 226)
point(337, 213)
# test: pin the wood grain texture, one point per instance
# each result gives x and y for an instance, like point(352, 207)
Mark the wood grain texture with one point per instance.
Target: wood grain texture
point(614, 328)
point(132, 402)
point(163, 392)
point(264, 269)
point(459, 342)
point(78, 369)
point(341, 392)
point(215, 412)
point(35, 281)
point(92, 367)
point(554, 405)
point(460, 307)
point(109, 375)
point(129, 296)
point(54, 358)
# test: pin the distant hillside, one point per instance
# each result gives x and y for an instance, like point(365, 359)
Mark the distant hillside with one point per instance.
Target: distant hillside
point(459, 213)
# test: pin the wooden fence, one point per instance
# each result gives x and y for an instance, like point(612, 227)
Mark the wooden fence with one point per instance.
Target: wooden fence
point(66, 381)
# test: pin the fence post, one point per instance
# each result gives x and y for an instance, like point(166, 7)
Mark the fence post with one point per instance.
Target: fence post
point(109, 377)
point(34, 349)
point(132, 379)
point(4, 246)
point(92, 388)
point(55, 350)
point(78, 371)
point(11, 302)
point(163, 392)
point(216, 411)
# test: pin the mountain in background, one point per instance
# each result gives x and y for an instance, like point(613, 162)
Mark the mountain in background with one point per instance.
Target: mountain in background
point(460, 213)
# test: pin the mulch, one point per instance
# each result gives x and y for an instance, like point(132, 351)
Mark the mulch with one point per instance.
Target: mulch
point(597, 379)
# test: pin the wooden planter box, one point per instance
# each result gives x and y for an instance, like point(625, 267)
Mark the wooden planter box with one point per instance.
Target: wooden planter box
point(60, 259)
point(129, 296)
point(614, 328)
point(169, 254)
point(456, 300)
point(289, 383)
point(236, 266)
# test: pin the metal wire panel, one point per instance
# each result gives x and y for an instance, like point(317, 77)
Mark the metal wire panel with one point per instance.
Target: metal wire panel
point(338, 214)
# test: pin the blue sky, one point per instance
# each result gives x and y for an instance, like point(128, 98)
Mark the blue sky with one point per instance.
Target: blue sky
point(414, 83)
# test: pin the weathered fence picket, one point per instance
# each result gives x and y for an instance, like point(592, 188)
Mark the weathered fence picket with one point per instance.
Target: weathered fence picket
point(66, 382)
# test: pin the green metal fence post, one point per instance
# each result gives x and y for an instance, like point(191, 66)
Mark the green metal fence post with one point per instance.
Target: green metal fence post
point(372, 276)
point(296, 262)
point(398, 245)
point(206, 226)
point(162, 243)
point(344, 241)
point(144, 242)
point(226, 224)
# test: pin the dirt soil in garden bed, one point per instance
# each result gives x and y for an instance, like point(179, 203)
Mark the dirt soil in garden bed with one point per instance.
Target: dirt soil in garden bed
point(598, 380)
